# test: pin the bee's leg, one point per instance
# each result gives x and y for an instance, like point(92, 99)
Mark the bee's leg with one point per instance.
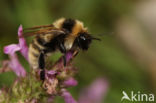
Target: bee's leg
point(64, 59)
point(41, 63)
point(42, 75)
point(63, 50)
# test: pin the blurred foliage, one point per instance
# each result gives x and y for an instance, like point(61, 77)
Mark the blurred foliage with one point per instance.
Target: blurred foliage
point(107, 58)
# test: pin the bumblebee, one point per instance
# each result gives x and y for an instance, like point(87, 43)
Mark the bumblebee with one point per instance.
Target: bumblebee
point(63, 35)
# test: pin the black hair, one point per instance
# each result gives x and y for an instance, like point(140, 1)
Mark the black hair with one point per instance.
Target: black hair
point(68, 24)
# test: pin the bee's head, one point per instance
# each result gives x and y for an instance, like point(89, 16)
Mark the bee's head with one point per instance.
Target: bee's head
point(83, 40)
point(75, 28)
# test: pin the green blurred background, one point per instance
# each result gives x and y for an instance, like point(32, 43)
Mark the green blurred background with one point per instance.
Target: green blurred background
point(125, 59)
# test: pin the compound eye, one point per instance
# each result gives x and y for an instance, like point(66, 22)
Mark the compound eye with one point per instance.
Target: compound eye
point(82, 38)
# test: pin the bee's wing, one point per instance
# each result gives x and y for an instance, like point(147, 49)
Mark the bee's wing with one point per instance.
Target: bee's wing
point(40, 27)
point(53, 32)
point(45, 29)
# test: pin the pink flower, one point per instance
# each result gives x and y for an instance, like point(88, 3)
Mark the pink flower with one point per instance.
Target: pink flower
point(50, 74)
point(22, 46)
point(95, 92)
point(69, 55)
point(92, 94)
point(14, 63)
point(50, 83)
point(70, 82)
point(67, 96)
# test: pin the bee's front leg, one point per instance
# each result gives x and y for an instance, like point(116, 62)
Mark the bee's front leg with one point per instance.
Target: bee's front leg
point(63, 50)
point(41, 63)
point(64, 59)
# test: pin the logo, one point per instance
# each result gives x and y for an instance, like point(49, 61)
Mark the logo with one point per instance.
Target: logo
point(137, 96)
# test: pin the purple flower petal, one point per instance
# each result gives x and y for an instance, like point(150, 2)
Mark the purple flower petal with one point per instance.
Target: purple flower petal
point(22, 46)
point(95, 92)
point(70, 82)
point(16, 66)
point(67, 96)
point(50, 74)
point(20, 31)
point(11, 49)
point(69, 56)
point(22, 43)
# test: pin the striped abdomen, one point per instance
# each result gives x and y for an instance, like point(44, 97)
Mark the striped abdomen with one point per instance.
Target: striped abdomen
point(36, 47)
point(34, 52)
